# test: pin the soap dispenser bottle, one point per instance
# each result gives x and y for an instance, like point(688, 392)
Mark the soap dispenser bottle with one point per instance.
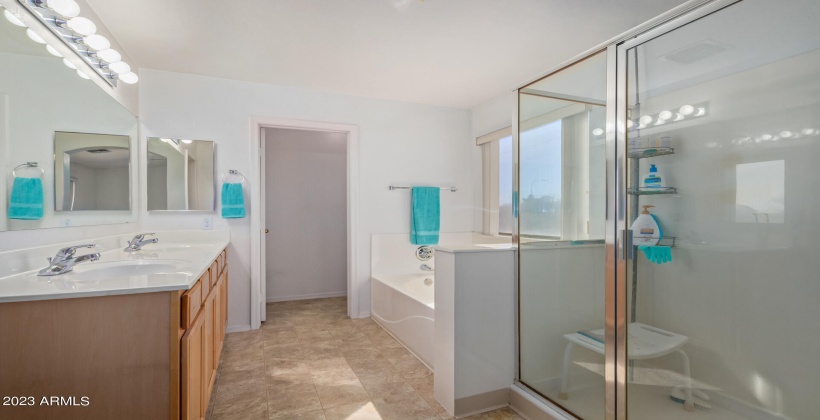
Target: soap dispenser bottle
point(653, 180)
point(645, 229)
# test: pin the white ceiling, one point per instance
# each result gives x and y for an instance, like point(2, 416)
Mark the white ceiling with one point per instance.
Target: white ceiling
point(455, 53)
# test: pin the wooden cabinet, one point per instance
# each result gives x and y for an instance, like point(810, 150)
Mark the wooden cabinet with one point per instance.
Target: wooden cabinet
point(203, 334)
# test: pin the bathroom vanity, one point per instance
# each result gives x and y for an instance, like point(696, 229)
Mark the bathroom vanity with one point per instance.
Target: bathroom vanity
point(137, 335)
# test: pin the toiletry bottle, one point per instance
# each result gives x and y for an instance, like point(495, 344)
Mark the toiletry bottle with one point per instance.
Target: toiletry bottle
point(653, 180)
point(645, 229)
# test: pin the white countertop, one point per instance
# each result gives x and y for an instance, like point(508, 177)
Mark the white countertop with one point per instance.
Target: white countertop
point(455, 248)
point(178, 259)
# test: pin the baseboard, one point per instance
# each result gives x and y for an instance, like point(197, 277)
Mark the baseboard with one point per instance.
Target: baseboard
point(364, 314)
point(305, 297)
point(237, 328)
point(530, 407)
point(481, 403)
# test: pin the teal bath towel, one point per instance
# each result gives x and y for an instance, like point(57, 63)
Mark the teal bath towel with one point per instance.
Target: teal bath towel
point(26, 201)
point(426, 216)
point(233, 201)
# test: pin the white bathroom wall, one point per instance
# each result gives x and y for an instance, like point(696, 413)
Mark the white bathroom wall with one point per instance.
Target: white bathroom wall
point(306, 202)
point(399, 143)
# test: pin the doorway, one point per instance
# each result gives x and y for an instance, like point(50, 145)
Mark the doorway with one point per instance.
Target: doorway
point(309, 212)
point(305, 214)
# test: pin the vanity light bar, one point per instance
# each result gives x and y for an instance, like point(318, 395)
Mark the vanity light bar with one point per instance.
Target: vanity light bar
point(669, 116)
point(63, 18)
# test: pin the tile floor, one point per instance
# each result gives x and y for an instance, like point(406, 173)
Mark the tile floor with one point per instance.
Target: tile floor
point(310, 361)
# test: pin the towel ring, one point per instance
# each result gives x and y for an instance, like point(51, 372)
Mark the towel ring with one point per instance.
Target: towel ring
point(27, 165)
point(233, 172)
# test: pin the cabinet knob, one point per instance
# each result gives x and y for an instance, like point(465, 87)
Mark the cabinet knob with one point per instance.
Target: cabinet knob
point(267, 231)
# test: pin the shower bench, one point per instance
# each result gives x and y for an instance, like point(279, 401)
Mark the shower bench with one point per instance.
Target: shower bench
point(644, 342)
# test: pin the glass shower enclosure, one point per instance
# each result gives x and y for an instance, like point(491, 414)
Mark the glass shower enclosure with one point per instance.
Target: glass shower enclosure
point(711, 123)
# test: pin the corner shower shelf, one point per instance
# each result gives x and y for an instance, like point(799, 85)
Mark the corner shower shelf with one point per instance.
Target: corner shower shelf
point(648, 152)
point(667, 241)
point(653, 191)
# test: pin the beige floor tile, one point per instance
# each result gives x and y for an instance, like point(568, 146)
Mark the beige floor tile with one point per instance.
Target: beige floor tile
point(312, 415)
point(280, 384)
point(404, 407)
point(274, 367)
point(407, 364)
point(336, 394)
point(291, 351)
point(254, 409)
point(386, 386)
point(356, 411)
point(367, 352)
point(446, 416)
point(290, 403)
point(368, 368)
point(330, 377)
point(235, 391)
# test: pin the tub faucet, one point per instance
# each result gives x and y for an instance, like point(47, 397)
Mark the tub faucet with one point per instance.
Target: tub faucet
point(65, 260)
point(425, 267)
point(138, 241)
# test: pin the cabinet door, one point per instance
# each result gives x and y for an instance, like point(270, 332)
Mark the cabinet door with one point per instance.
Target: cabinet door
point(219, 324)
point(192, 396)
point(208, 371)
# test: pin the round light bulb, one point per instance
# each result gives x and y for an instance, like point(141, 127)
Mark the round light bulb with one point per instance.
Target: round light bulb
point(82, 26)
point(701, 112)
point(13, 19)
point(665, 115)
point(686, 110)
point(645, 120)
point(109, 55)
point(187, 141)
point(69, 64)
point(678, 116)
point(34, 37)
point(786, 134)
point(67, 8)
point(766, 137)
point(597, 131)
point(808, 131)
point(129, 78)
point(165, 140)
point(120, 67)
point(97, 42)
point(53, 51)
point(83, 75)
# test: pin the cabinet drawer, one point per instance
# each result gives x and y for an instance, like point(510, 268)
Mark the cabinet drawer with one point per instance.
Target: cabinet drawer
point(214, 270)
point(191, 303)
point(223, 261)
point(205, 281)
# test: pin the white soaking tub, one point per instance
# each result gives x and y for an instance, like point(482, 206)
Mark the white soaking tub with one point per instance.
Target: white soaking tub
point(404, 306)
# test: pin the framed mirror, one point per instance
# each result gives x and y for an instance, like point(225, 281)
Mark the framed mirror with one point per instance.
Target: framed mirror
point(180, 175)
point(91, 172)
point(42, 102)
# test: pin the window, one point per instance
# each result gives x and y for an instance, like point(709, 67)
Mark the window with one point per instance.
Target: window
point(541, 180)
point(497, 172)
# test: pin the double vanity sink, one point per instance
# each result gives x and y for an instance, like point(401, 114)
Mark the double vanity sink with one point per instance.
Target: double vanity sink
point(136, 332)
point(170, 264)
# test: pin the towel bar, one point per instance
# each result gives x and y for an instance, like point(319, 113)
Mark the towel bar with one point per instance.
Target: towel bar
point(27, 165)
point(394, 187)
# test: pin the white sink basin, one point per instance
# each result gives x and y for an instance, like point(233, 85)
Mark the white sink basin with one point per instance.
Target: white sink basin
point(116, 269)
point(174, 248)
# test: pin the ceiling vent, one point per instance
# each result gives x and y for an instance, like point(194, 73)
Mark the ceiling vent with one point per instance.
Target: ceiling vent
point(696, 52)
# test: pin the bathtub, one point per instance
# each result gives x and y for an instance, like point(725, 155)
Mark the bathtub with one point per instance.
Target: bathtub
point(404, 306)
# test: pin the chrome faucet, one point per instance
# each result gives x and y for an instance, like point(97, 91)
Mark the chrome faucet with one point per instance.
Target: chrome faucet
point(425, 267)
point(65, 260)
point(136, 243)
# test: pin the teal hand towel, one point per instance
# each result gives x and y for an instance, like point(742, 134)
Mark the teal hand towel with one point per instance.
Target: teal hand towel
point(426, 216)
point(233, 201)
point(657, 254)
point(26, 201)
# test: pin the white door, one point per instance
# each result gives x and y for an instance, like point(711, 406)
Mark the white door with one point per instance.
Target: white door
point(263, 275)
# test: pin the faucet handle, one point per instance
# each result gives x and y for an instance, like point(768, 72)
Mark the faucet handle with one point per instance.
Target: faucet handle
point(141, 236)
point(71, 250)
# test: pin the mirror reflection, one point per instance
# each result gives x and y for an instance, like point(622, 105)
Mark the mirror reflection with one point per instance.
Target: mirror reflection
point(180, 175)
point(91, 172)
point(41, 101)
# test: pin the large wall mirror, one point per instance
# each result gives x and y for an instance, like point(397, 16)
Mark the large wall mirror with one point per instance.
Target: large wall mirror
point(45, 111)
point(180, 175)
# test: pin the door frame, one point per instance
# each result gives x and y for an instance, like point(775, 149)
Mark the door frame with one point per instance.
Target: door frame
point(257, 124)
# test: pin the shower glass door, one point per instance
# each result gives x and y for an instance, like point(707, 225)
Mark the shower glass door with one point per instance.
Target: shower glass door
point(723, 313)
point(561, 216)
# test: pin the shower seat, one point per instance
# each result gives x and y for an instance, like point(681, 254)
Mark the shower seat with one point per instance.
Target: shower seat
point(644, 342)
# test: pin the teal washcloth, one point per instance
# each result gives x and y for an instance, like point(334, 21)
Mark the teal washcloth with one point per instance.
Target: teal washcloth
point(657, 254)
point(426, 216)
point(26, 201)
point(233, 201)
